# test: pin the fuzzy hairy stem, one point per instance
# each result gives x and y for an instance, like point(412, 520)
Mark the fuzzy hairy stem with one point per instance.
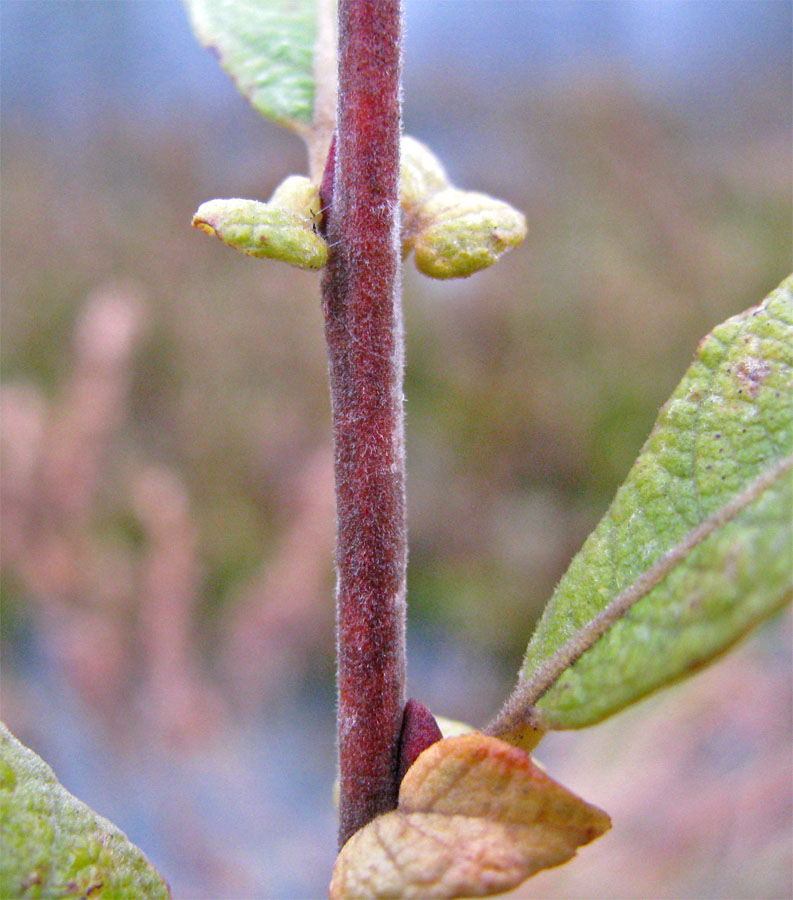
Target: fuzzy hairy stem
point(363, 328)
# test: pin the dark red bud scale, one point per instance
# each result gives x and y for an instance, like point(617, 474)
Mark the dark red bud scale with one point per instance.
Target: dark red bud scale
point(419, 731)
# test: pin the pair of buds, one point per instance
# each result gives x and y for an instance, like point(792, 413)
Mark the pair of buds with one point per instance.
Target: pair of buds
point(452, 233)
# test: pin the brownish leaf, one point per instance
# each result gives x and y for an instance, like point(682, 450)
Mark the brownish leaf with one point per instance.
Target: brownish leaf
point(475, 817)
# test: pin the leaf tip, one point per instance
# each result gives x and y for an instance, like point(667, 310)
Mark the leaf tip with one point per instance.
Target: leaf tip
point(203, 225)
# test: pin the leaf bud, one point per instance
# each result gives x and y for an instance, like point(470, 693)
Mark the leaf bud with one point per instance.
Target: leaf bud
point(267, 229)
point(464, 231)
point(422, 175)
point(299, 195)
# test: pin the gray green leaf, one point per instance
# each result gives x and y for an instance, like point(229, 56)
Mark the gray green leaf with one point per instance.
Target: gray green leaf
point(53, 846)
point(267, 46)
point(696, 548)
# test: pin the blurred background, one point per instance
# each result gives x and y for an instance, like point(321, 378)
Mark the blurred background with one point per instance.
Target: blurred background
point(167, 619)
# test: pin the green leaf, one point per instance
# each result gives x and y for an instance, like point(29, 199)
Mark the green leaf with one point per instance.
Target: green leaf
point(53, 846)
point(267, 46)
point(282, 56)
point(696, 548)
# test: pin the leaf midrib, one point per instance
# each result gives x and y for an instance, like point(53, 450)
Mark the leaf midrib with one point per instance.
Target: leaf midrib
point(588, 635)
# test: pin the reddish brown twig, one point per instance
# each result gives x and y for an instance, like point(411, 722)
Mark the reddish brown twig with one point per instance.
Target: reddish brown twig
point(361, 304)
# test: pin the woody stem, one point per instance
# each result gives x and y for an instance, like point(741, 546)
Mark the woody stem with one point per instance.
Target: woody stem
point(363, 327)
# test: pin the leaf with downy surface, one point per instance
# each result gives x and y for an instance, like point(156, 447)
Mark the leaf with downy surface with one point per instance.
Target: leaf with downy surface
point(281, 54)
point(53, 846)
point(475, 817)
point(696, 548)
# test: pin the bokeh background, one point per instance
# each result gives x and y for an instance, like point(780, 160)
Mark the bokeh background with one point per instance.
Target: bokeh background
point(167, 619)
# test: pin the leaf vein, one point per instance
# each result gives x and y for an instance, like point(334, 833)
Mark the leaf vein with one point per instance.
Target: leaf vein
point(532, 690)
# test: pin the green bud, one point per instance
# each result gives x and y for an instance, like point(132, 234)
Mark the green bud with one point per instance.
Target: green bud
point(267, 230)
point(462, 231)
point(421, 173)
point(299, 195)
point(454, 233)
